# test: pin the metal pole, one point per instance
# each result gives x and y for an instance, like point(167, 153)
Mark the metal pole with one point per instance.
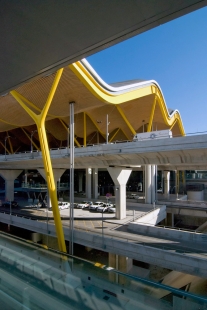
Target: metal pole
point(107, 134)
point(68, 133)
point(156, 183)
point(71, 174)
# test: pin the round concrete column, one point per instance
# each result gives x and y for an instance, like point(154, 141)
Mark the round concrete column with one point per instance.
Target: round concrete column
point(166, 182)
point(88, 182)
point(95, 183)
point(153, 187)
point(148, 184)
point(9, 177)
point(80, 181)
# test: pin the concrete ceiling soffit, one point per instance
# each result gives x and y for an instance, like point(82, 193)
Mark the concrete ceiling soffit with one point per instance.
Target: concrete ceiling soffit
point(39, 37)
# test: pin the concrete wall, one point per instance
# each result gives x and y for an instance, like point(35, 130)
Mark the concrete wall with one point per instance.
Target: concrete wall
point(153, 217)
point(195, 195)
point(119, 245)
point(167, 233)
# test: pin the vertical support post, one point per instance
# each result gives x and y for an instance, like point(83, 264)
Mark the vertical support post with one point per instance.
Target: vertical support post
point(71, 174)
point(183, 180)
point(84, 129)
point(107, 131)
point(148, 184)
point(150, 125)
point(153, 187)
point(156, 183)
point(178, 180)
point(7, 137)
point(167, 182)
point(68, 139)
point(88, 182)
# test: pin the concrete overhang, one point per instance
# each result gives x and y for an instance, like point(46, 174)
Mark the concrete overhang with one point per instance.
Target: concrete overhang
point(184, 153)
point(38, 37)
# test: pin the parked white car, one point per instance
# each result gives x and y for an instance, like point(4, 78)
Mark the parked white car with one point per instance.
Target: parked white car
point(132, 196)
point(112, 209)
point(103, 208)
point(84, 205)
point(63, 205)
point(94, 206)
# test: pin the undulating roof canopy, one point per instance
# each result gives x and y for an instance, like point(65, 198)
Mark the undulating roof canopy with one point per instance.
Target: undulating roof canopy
point(129, 107)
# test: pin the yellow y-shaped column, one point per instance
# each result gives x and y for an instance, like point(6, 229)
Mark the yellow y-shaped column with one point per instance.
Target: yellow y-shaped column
point(40, 122)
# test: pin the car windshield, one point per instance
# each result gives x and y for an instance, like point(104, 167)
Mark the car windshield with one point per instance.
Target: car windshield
point(97, 203)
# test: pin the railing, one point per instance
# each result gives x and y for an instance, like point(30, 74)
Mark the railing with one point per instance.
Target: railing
point(38, 185)
point(36, 153)
point(196, 176)
point(60, 281)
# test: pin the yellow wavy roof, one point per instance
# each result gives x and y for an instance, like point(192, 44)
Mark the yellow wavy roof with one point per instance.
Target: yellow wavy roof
point(130, 108)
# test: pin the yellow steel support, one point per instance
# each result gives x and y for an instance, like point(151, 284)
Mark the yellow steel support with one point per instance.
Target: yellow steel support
point(152, 115)
point(10, 144)
point(33, 143)
point(173, 124)
point(95, 124)
point(4, 148)
point(114, 135)
point(17, 149)
point(32, 105)
point(127, 137)
point(84, 129)
point(40, 122)
point(126, 120)
point(68, 130)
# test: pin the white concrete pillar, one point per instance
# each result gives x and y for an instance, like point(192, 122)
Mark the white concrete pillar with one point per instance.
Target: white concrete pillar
point(9, 176)
point(88, 182)
point(172, 220)
point(120, 177)
point(153, 187)
point(176, 182)
point(80, 181)
point(121, 263)
point(49, 204)
point(95, 183)
point(57, 174)
point(25, 177)
point(148, 184)
point(166, 182)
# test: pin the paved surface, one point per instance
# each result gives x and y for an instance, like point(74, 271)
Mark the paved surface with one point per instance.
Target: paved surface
point(113, 228)
point(84, 219)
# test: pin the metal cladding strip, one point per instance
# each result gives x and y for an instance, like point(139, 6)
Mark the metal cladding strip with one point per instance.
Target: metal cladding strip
point(118, 95)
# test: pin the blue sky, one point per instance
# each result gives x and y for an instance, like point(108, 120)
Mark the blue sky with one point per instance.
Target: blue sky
point(174, 55)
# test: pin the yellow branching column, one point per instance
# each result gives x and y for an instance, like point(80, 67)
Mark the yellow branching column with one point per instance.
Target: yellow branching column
point(40, 122)
point(152, 115)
